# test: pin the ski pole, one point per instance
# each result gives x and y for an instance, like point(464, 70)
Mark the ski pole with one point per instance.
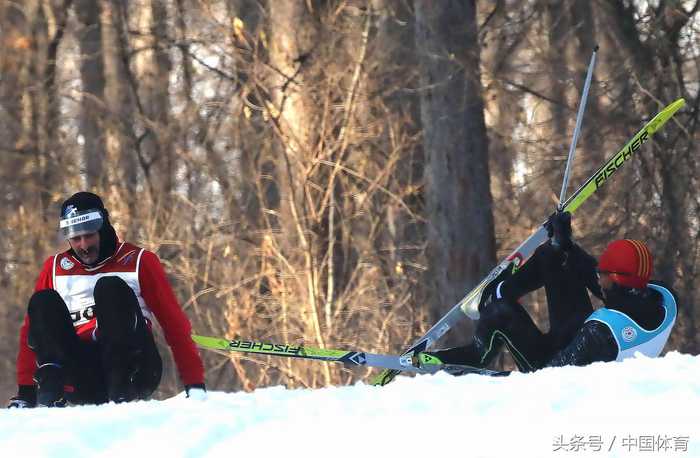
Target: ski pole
point(577, 129)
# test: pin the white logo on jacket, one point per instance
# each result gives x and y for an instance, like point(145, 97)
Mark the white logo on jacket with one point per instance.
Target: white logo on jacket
point(629, 333)
point(67, 264)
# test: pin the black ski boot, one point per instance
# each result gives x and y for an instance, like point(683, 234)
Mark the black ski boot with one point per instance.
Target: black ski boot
point(468, 355)
point(121, 374)
point(50, 379)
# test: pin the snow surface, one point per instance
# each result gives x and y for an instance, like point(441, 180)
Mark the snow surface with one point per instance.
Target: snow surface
point(641, 407)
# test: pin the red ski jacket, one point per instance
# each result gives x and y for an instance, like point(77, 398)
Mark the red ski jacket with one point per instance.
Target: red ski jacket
point(143, 272)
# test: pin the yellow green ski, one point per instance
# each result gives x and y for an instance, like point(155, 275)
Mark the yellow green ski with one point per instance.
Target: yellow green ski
point(422, 364)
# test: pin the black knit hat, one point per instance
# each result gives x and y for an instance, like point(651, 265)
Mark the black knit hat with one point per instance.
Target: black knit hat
point(88, 201)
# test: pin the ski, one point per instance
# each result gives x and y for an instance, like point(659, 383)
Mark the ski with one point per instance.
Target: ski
point(425, 364)
point(468, 305)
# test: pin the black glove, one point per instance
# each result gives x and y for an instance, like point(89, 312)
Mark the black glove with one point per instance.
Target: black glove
point(197, 388)
point(558, 227)
point(26, 398)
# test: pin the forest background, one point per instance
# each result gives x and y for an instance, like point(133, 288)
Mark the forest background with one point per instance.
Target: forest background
point(339, 173)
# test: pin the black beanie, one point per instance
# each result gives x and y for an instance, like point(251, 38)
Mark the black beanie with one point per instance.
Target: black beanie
point(108, 236)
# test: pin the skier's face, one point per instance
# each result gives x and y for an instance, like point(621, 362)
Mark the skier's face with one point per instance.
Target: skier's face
point(604, 280)
point(86, 247)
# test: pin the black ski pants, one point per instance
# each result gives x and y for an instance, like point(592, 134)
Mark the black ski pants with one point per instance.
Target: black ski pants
point(122, 364)
point(505, 322)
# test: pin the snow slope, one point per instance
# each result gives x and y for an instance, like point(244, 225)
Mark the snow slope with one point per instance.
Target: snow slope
point(642, 407)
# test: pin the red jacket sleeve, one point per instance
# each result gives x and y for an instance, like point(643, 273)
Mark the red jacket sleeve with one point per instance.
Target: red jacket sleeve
point(26, 359)
point(160, 298)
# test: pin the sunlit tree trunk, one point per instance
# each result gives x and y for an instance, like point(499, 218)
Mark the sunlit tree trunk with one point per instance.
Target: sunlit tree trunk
point(40, 108)
point(92, 117)
point(120, 141)
point(152, 70)
point(15, 57)
point(293, 35)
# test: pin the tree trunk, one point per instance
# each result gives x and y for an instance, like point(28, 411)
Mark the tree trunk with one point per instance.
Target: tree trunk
point(557, 73)
point(92, 116)
point(461, 245)
point(582, 21)
point(51, 33)
point(152, 69)
point(120, 140)
point(293, 35)
point(14, 67)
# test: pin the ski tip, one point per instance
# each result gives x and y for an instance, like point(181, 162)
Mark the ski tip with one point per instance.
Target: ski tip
point(199, 340)
point(679, 102)
point(664, 115)
point(211, 342)
point(676, 105)
point(596, 48)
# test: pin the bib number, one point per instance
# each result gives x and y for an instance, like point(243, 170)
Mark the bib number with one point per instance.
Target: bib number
point(86, 314)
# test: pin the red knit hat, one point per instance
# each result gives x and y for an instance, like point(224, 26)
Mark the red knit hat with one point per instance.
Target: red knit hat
point(628, 262)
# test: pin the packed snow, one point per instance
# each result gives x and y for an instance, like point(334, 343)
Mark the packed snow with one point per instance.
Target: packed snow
point(640, 407)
